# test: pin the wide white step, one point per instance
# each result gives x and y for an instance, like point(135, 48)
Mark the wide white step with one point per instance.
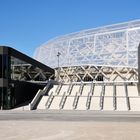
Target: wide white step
point(53, 90)
point(108, 90)
point(120, 91)
point(63, 89)
point(121, 104)
point(132, 91)
point(75, 89)
point(108, 103)
point(68, 104)
point(82, 103)
point(55, 103)
point(95, 101)
point(42, 103)
point(97, 90)
point(86, 90)
point(134, 104)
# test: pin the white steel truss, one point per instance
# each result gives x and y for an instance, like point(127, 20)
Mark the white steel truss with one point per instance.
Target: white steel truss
point(96, 73)
point(113, 49)
point(114, 45)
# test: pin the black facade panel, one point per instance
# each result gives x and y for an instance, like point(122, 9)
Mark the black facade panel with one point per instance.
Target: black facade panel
point(15, 88)
point(0, 66)
point(24, 91)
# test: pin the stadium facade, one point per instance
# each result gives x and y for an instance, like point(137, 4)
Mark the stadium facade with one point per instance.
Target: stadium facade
point(106, 53)
point(95, 69)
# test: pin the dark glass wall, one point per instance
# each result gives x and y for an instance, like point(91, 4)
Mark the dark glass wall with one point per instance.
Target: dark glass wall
point(17, 73)
point(0, 66)
point(4, 66)
point(0, 97)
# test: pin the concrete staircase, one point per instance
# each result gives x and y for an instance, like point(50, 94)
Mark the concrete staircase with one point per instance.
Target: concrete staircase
point(92, 96)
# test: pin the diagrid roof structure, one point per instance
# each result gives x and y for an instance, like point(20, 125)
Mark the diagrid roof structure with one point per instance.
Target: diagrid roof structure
point(113, 45)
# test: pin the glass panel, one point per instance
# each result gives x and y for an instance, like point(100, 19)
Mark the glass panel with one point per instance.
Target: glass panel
point(4, 98)
point(21, 70)
point(5, 66)
point(0, 97)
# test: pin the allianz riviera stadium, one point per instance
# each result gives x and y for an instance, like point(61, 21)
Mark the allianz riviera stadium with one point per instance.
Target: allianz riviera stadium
point(97, 69)
point(108, 52)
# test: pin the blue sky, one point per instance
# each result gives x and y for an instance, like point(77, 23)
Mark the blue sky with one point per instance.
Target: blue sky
point(26, 24)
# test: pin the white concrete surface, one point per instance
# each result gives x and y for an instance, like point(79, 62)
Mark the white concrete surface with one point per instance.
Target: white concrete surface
point(121, 104)
point(108, 103)
point(134, 103)
point(86, 89)
point(42, 103)
point(95, 103)
point(120, 91)
point(55, 103)
point(63, 89)
point(75, 89)
point(97, 90)
point(132, 91)
point(68, 104)
point(108, 90)
point(53, 90)
point(81, 103)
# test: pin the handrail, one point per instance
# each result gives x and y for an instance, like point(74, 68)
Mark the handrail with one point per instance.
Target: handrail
point(81, 88)
point(102, 97)
point(109, 82)
point(58, 89)
point(127, 98)
point(75, 100)
point(92, 88)
point(40, 93)
point(88, 100)
point(35, 99)
point(70, 89)
point(62, 101)
point(48, 103)
point(114, 97)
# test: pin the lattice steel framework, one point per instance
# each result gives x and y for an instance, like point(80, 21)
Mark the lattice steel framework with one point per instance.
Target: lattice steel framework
point(109, 46)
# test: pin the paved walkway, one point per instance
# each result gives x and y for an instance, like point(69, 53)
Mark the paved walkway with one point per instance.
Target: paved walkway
point(53, 125)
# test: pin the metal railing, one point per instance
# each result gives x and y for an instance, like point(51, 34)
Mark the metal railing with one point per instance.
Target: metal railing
point(62, 102)
point(49, 101)
point(39, 94)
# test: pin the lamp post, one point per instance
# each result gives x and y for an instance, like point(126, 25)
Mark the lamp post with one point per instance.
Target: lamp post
point(58, 54)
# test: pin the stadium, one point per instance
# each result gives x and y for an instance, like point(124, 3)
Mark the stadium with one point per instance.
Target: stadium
point(95, 69)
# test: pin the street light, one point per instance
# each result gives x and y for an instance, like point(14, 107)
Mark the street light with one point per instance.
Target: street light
point(58, 54)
